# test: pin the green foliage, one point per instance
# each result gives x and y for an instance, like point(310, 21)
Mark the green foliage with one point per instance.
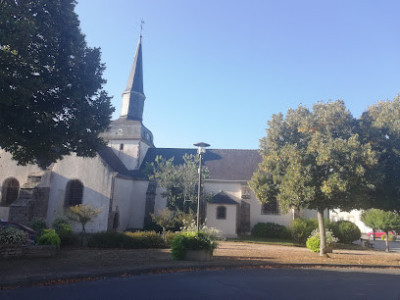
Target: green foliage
point(380, 126)
point(11, 237)
point(83, 214)
point(313, 242)
point(384, 220)
point(190, 240)
point(314, 159)
point(136, 240)
point(390, 239)
point(49, 237)
point(179, 179)
point(38, 225)
point(52, 102)
point(165, 218)
point(64, 231)
point(370, 218)
point(300, 229)
point(269, 230)
point(346, 231)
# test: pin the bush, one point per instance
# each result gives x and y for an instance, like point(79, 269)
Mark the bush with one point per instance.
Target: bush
point(391, 237)
point(38, 225)
point(11, 237)
point(300, 229)
point(190, 240)
point(136, 240)
point(49, 237)
point(169, 236)
point(313, 241)
point(64, 231)
point(146, 239)
point(269, 230)
point(346, 231)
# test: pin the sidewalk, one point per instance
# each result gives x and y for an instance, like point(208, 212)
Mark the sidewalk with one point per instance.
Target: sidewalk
point(86, 264)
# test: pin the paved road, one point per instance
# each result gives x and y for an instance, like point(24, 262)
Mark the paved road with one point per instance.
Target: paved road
point(227, 284)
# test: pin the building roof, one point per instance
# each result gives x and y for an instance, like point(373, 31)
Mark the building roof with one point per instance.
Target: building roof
point(224, 198)
point(223, 164)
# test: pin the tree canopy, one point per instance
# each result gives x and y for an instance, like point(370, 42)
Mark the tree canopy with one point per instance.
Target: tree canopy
point(314, 159)
point(51, 97)
point(383, 220)
point(180, 181)
point(380, 125)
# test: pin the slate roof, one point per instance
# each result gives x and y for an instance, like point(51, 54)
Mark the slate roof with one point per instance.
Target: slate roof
point(224, 198)
point(223, 164)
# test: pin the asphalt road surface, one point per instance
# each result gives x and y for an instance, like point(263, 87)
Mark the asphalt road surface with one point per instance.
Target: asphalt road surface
point(227, 284)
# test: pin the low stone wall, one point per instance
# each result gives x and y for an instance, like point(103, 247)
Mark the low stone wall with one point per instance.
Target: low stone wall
point(28, 251)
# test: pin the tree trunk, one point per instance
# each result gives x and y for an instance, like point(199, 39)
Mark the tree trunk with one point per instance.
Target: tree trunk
point(373, 231)
point(321, 225)
point(387, 242)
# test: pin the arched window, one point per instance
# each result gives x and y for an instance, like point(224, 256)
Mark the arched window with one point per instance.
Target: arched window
point(73, 193)
point(221, 212)
point(9, 191)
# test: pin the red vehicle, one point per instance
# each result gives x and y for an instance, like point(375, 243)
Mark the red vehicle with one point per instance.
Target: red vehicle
point(378, 233)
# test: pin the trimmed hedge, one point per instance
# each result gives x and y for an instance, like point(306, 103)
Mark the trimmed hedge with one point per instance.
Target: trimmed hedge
point(270, 230)
point(134, 240)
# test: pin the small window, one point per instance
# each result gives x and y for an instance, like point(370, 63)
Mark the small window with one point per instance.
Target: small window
point(270, 208)
point(221, 212)
point(121, 147)
point(73, 193)
point(10, 190)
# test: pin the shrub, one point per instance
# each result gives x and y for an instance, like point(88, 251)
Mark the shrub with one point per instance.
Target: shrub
point(190, 240)
point(38, 225)
point(169, 236)
point(300, 229)
point(391, 237)
point(49, 237)
point(269, 230)
point(64, 231)
point(112, 239)
point(11, 237)
point(313, 241)
point(346, 231)
point(146, 239)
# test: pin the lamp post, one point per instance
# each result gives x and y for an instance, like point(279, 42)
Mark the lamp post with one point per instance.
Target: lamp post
point(200, 151)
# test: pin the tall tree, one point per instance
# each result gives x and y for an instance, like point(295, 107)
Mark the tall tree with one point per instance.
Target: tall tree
point(380, 125)
point(314, 159)
point(51, 97)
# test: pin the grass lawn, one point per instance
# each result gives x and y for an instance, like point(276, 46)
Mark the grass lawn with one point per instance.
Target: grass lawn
point(287, 242)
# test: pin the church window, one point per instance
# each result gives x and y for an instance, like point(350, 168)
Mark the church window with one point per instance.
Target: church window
point(10, 190)
point(121, 147)
point(73, 193)
point(221, 212)
point(270, 208)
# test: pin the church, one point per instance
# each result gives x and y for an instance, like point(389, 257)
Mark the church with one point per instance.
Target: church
point(115, 181)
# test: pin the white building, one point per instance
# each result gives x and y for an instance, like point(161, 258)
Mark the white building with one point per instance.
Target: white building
point(114, 180)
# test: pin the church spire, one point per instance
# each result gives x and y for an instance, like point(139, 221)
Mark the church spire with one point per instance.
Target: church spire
point(133, 97)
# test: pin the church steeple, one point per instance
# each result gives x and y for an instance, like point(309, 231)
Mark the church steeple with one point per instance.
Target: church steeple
point(133, 97)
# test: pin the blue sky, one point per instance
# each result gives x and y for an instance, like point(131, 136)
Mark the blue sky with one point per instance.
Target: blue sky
point(217, 70)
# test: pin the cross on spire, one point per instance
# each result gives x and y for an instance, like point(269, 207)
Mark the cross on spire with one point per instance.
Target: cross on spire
point(141, 26)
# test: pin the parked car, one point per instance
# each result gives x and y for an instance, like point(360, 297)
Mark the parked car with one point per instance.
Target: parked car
point(379, 233)
point(30, 233)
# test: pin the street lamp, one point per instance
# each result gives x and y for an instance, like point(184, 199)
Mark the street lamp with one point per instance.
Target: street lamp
point(200, 151)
